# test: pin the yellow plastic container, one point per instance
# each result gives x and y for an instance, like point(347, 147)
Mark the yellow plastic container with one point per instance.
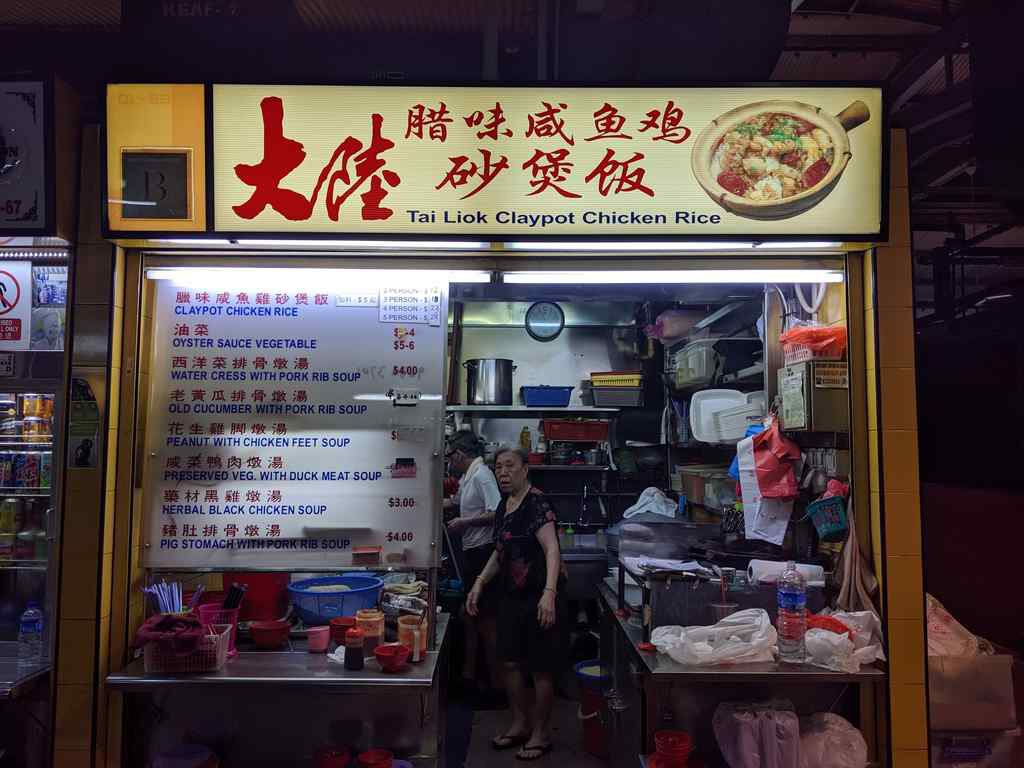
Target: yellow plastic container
point(616, 379)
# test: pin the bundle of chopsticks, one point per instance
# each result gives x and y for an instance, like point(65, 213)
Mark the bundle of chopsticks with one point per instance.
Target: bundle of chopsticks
point(166, 596)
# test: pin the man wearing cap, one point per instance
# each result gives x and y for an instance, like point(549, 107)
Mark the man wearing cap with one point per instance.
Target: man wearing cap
point(477, 499)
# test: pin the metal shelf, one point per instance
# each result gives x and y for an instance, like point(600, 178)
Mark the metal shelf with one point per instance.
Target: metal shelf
point(522, 411)
point(27, 493)
point(26, 446)
point(23, 565)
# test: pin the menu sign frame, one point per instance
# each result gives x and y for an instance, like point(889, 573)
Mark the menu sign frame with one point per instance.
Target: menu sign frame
point(549, 162)
point(27, 196)
point(288, 428)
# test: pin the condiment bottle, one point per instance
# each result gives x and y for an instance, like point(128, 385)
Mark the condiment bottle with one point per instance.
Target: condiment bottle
point(371, 622)
point(526, 439)
point(354, 649)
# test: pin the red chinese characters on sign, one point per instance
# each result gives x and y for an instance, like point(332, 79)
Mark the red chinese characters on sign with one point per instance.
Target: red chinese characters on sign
point(429, 122)
point(615, 176)
point(668, 122)
point(549, 169)
point(359, 166)
point(490, 122)
point(546, 123)
point(608, 124)
point(463, 169)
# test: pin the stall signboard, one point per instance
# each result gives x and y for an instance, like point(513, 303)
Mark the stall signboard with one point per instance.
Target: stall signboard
point(23, 190)
point(772, 161)
point(15, 305)
point(295, 419)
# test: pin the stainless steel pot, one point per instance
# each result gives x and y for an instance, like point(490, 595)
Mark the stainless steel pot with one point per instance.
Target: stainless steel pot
point(489, 381)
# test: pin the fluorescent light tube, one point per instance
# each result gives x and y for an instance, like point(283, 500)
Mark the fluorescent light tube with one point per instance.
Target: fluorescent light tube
point(680, 276)
point(632, 245)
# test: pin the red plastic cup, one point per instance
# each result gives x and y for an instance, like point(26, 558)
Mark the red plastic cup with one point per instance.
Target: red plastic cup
point(331, 757)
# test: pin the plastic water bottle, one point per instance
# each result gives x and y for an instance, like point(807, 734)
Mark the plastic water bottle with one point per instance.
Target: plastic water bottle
point(792, 621)
point(30, 633)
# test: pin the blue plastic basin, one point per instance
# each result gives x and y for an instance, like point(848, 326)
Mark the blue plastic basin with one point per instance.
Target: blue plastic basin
point(316, 608)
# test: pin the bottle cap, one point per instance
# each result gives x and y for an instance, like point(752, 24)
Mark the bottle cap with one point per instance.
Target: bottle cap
point(354, 634)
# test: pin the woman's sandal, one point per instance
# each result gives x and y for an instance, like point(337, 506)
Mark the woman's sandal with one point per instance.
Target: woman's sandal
point(538, 751)
point(508, 741)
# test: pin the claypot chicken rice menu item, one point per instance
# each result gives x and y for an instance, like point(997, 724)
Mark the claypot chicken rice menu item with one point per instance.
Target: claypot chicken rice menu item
point(774, 159)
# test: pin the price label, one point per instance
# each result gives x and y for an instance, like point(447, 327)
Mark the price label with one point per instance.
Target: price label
point(405, 371)
point(401, 502)
point(357, 299)
point(400, 536)
point(403, 345)
point(11, 207)
point(404, 397)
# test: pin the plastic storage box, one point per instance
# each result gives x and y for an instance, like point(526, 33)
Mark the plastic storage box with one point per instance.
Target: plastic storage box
point(618, 397)
point(569, 430)
point(545, 396)
point(616, 379)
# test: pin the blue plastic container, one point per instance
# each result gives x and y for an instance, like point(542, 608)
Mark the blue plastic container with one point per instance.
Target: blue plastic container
point(546, 396)
point(315, 608)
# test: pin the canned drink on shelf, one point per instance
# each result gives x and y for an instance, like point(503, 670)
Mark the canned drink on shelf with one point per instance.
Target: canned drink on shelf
point(25, 545)
point(9, 428)
point(32, 405)
point(6, 546)
point(8, 406)
point(9, 515)
point(35, 429)
point(45, 470)
point(47, 406)
point(6, 469)
point(26, 469)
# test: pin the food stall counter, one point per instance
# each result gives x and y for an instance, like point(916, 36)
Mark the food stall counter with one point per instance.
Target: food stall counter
point(664, 667)
point(290, 668)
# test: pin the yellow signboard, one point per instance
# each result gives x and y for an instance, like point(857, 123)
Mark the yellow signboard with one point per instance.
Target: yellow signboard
point(547, 161)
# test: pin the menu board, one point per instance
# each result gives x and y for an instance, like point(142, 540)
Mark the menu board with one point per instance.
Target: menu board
point(295, 418)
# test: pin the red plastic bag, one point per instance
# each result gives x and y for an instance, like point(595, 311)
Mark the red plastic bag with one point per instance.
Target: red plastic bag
point(774, 456)
point(808, 342)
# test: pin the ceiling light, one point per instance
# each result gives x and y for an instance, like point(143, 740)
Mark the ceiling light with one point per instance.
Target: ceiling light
point(632, 245)
point(308, 279)
point(680, 276)
point(463, 245)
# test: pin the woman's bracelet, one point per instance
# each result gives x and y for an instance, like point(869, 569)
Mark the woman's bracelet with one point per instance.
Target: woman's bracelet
point(552, 590)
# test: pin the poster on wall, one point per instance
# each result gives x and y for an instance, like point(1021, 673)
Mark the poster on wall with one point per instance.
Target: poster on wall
point(295, 418)
point(783, 161)
point(15, 305)
point(22, 157)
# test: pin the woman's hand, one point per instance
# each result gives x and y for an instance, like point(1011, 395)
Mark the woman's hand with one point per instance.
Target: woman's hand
point(546, 610)
point(472, 601)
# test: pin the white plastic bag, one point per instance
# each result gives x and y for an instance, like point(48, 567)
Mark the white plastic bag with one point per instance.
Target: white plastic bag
point(765, 735)
point(745, 637)
point(652, 500)
point(830, 741)
point(948, 637)
point(867, 634)
point(830, 650)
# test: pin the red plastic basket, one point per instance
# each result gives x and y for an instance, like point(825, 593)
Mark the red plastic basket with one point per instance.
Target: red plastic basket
point(209, 656)
point(569, 430)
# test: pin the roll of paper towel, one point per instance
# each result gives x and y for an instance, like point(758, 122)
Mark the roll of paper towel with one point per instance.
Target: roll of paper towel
point(769, 571)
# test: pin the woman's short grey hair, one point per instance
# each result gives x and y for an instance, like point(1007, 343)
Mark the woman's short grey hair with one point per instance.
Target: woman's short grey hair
point(518, 450)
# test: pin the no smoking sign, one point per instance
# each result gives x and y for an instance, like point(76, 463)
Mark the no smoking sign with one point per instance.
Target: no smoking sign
point(15, 304)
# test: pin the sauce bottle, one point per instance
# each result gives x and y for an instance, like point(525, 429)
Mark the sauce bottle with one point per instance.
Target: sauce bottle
point(354, 649)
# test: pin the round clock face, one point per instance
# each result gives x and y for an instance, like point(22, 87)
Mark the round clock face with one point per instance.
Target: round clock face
point(545, 321)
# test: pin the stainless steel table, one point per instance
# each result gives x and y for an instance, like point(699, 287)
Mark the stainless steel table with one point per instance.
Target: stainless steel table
point(276, 708)
point(650, 691)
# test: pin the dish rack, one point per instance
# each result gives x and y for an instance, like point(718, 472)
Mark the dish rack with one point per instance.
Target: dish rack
point(210, 655)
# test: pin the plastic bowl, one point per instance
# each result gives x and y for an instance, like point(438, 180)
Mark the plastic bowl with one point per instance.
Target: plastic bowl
point(316, 608)
point(269, 634)
point(391, 656)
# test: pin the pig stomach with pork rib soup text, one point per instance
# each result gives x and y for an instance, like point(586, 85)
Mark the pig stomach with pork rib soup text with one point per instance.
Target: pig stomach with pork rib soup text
point(772, 156)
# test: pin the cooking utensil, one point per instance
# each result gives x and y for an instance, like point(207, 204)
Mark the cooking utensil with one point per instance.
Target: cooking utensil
point(836, 126)
point(489, 381)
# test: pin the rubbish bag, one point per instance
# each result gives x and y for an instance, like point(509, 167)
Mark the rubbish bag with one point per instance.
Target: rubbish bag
point(745, 637)
point(774, 456)
point(948, 637)
point(652, 500)
point(846, 651)
point(830, 741)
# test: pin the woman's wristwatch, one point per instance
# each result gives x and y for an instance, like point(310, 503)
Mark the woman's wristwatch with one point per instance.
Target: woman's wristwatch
point(552, 590)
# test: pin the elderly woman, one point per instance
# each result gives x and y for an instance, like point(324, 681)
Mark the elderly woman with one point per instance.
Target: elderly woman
point(527, 565)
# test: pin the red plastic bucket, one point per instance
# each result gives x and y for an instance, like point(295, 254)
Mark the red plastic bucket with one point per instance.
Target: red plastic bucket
point(267, 596)
point(593, 710)
point(673, 747)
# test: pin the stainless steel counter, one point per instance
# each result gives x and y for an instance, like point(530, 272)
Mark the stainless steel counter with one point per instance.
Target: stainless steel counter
point(290, 669)
point(664, 667)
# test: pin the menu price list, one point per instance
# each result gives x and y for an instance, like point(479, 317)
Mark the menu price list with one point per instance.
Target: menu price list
point(276, 436)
